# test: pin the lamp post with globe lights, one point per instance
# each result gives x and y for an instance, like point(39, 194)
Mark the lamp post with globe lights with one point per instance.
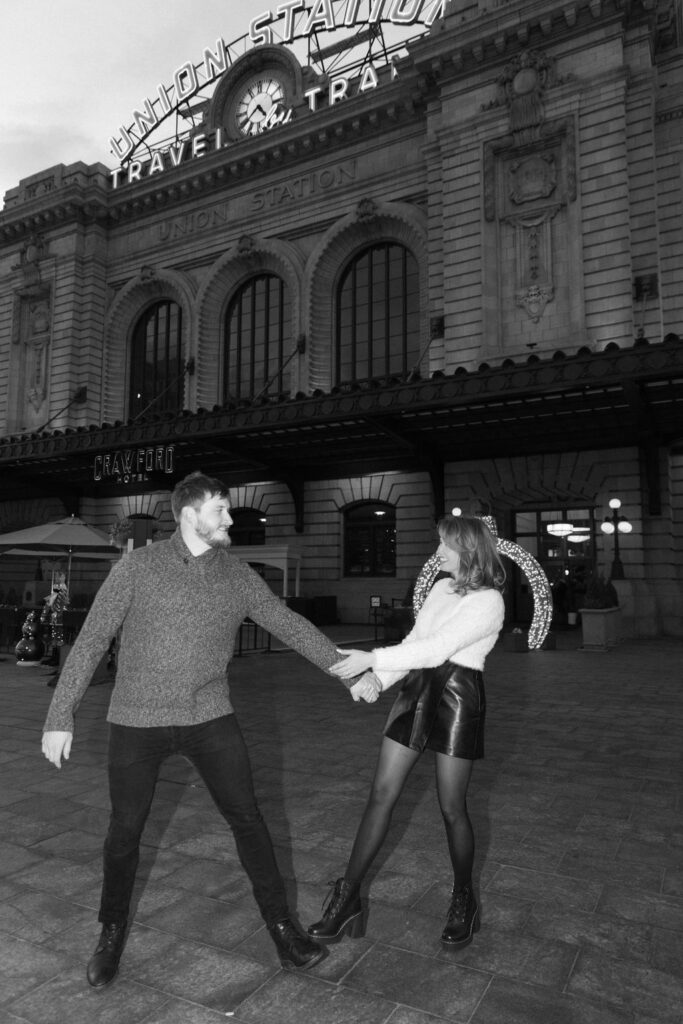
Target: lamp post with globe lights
point(614, 525)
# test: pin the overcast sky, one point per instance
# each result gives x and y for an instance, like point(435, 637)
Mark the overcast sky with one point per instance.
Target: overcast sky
point(74, 70)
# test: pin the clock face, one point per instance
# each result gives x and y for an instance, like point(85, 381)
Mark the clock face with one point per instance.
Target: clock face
point(257, 102)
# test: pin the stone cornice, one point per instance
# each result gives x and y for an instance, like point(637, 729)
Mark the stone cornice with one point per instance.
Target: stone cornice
point(497, 35)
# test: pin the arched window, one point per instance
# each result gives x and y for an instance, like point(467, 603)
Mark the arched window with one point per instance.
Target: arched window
point(377, 314)
point(370, 539)
point(258, 333)
point(248, 526)
point(156, 360)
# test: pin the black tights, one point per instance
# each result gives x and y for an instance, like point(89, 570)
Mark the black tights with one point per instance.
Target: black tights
point(393, 767)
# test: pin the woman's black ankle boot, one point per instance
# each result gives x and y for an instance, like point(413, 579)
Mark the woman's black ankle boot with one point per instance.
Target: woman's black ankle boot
point(463, 919)
point(342, 913)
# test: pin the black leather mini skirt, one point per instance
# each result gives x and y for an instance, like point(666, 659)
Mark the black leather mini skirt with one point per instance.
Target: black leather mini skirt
point(441, 709)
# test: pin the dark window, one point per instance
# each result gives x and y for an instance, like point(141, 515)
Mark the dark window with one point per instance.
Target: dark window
point(248, 526)
point(377, 314)
point(156, 367)
point(370, 540)
point(258, 331)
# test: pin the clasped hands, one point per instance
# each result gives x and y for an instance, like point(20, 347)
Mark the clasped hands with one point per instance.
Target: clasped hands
point(368, 687)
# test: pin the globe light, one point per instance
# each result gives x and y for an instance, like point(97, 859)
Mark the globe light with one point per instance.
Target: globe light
point(614, 525)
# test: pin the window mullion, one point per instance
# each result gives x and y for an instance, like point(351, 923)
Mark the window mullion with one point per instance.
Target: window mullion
point(387, 311)
point(252, 342)
point(354, 321)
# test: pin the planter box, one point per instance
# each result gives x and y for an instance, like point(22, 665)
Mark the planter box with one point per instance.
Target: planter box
point(600, 628)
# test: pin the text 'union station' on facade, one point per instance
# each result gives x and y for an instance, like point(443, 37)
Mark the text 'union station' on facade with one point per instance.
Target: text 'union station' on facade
point(363, 272)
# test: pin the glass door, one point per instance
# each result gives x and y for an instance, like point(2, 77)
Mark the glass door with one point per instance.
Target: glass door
point(562, 540)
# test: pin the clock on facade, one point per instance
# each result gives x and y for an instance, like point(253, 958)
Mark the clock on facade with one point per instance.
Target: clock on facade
point(257, 103)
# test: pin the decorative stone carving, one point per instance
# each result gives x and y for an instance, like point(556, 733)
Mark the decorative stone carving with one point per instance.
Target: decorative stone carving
point(534, 301)
point(246, 245)
point(29, 354)
point(531, 174)
point(532, 177)
point(41, 187)
point(535, 287)
point(33, 251)
point(521, 87)
point(366, 210)
point(37, 341)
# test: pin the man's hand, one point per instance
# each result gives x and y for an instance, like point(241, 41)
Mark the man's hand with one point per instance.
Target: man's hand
point(368, 688)
point(57, 745)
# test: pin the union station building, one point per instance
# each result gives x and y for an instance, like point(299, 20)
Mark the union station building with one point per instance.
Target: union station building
point(364, 285)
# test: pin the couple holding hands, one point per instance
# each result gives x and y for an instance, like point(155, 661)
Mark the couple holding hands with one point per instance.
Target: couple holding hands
point(179, 605)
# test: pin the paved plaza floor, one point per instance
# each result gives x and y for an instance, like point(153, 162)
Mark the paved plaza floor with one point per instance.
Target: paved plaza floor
point(579, 864)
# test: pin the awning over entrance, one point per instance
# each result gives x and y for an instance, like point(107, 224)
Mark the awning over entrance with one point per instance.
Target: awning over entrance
point(611, 399)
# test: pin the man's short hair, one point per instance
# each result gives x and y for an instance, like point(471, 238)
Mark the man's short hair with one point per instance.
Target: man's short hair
point(194, 491)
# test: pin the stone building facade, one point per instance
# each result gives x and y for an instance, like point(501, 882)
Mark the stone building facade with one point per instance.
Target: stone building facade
point(514, 183)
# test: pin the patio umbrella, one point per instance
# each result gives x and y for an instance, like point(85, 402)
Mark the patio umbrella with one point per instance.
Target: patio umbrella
point(93, 556)
point(69, 536)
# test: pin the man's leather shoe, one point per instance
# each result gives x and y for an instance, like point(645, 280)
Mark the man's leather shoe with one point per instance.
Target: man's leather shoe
point(297, 951)
point(104, 963)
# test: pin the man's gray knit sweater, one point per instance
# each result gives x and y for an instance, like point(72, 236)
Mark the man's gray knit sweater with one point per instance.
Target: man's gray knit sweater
point(179, 615)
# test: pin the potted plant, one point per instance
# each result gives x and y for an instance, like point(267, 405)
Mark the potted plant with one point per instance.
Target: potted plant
point(600, 615)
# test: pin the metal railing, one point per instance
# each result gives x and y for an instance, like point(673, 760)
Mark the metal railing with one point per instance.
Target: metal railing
point(252, 638)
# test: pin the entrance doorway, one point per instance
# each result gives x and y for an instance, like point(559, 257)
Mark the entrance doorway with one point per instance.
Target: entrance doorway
point(562, 540)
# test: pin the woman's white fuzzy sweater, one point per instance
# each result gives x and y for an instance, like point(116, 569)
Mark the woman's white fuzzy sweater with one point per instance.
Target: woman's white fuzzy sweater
point(449, 627)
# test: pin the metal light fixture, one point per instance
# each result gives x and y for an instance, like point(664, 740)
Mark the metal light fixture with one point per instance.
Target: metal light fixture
point(560, 529)
point(612, 526)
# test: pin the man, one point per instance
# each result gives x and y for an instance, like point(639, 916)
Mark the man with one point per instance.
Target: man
point(179, 605)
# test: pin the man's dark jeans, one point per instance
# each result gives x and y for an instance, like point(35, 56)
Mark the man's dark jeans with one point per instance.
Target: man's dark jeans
point(218, 752)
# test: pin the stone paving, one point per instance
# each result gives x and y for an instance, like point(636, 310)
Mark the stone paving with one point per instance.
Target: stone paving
point(579, 861)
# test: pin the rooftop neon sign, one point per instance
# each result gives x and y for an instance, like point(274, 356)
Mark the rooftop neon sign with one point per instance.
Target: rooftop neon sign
point(293, 19)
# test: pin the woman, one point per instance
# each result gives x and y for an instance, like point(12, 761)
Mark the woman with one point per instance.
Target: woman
point(441, 706)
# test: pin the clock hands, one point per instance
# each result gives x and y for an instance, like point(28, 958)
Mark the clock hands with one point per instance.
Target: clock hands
point(259, 106)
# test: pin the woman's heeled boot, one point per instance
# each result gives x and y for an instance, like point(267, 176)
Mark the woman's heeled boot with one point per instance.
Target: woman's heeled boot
point(462, 920)
point(342, 913)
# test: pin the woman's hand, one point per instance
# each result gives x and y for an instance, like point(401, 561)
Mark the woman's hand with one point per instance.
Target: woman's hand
point(368, 688)
point(353, 664)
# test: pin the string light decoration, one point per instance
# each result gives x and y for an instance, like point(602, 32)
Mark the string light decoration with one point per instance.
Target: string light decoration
point(538, 581)
point(425, 581)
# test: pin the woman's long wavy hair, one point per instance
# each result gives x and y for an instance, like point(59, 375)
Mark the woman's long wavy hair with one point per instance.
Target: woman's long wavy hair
point(480, 564)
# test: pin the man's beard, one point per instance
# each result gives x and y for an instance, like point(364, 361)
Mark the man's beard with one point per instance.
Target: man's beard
point(214, 538)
